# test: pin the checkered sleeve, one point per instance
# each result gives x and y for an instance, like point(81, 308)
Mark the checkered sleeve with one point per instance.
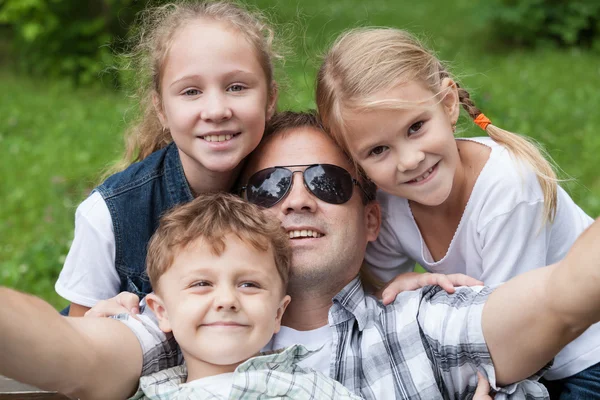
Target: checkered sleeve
point(452, 334)
point(160, 350)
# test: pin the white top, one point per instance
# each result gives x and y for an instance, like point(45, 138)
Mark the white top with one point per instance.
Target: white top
point(89, 274)
point(498, 237)
point(319, 340)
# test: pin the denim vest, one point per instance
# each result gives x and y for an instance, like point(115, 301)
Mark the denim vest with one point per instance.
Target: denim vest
point(136, 198)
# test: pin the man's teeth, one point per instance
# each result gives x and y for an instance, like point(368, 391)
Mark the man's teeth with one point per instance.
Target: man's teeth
point(425, 175)
point(304, 233)
point(217, 138)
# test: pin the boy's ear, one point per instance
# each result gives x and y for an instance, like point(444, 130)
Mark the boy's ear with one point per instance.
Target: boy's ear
point(451, 101)
point(272, 104)
point(372, 220)
point(158, 308)
point(282, 306)
point(157, 103)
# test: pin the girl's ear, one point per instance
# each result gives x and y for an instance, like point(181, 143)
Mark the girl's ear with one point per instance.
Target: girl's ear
point(282, 306)
point(450, 101)
point(157, 103)
point(158, 308)
point(272, 103)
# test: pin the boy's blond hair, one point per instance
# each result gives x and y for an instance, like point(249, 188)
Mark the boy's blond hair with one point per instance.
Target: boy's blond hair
point(211, 217)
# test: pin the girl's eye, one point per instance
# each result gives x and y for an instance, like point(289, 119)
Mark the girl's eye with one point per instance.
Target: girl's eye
point(378, 150)
point(236, 88)
point(191, 92)
point(414, 128)
point(250, 285)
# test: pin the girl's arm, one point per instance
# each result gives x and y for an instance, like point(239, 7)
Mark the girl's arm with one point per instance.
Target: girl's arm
point(89, 272)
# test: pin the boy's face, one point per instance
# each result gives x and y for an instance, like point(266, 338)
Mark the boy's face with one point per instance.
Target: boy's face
point(222, 309)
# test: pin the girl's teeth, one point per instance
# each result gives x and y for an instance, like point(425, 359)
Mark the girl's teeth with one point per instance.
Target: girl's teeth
point(425, 175)
point(217, 138)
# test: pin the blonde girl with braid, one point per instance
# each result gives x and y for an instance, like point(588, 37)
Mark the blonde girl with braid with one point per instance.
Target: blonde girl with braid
point(487, 207)
point(206, 93)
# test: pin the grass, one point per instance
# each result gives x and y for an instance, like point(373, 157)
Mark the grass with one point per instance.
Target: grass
point(57, 138)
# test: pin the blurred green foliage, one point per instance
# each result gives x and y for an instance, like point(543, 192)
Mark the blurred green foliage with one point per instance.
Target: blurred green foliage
point(542, 22)
point(68, 38)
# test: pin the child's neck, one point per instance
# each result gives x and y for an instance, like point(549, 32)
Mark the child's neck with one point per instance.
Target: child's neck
point(202, 180)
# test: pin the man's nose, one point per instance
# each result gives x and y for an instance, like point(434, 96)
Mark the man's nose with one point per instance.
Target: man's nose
point(298, 199)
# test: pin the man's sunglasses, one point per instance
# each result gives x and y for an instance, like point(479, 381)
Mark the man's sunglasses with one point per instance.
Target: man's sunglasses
point(327, 182)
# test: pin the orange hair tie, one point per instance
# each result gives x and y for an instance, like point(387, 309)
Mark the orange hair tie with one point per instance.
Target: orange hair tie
point(482, 121)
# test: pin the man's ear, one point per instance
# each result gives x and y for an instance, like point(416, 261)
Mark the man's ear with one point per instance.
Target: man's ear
point(158, 108)
point(372, 220)
point(282, 306)
point(272, 104)
point(450, 101)
point(158, 308)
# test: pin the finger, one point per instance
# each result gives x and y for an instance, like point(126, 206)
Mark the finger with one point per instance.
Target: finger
point(483, 388)
point(464, 280)
point(129, 301)
point(442, 281)
point(401, 283)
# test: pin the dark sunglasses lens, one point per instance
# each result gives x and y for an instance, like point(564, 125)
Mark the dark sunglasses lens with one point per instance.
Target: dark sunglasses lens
point(329, 183)
point(265, 188)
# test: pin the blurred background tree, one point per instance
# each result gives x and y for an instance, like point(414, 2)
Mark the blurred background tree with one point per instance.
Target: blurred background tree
point(531, 65)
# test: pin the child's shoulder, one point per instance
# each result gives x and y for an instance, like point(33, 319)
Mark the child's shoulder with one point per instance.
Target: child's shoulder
point(139, 172)
point(505, 174)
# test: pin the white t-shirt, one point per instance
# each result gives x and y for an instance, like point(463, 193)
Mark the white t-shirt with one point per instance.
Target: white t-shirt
point(89, 274)
point(499, 236)
point(320, 339)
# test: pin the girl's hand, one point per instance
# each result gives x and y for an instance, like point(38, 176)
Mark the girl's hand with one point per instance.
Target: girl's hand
point(123, 303)
point(483, 389)
point(416, 280)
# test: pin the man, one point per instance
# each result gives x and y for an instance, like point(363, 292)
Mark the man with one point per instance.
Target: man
point(427, 344)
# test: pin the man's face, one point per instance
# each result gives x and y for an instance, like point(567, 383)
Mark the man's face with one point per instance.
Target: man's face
point(330, 257)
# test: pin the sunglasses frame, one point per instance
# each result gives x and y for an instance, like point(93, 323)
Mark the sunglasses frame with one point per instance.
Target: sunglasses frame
point(355, 181)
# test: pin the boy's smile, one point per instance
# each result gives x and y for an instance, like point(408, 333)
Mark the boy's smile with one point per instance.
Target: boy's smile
point(222, 309)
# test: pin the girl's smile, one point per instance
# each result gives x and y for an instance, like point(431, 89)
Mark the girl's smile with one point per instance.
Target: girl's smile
point(408, 151)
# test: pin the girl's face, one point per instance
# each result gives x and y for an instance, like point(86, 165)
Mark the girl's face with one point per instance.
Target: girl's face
point(214, 97)
point(410, 152)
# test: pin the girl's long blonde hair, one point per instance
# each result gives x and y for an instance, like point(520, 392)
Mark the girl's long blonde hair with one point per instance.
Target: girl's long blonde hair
point(365, 61)
point(155, 32)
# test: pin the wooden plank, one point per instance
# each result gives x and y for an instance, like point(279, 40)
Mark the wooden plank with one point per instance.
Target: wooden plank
point(13, 390)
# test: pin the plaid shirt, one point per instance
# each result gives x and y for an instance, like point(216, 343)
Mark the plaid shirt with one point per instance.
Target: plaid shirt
point(428, 344)
point(268, 376)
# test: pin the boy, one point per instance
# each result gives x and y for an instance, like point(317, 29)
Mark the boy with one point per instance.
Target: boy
point(219, 269)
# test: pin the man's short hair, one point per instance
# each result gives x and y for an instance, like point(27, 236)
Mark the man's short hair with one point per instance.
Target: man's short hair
point(287, 120)
point(211, 217)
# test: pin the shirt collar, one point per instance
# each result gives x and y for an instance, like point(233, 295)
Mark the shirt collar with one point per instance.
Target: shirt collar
point(350, 303)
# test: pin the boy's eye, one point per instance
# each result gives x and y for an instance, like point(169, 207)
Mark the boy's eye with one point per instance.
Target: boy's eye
point(236, 88)
point(201, 284)
point(378, 150)
point(191, 92)
point(414, 128)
